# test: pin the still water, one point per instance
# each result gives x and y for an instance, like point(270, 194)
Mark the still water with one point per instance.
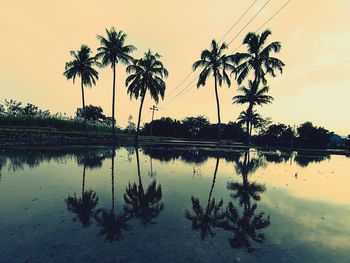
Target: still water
point(173, 205)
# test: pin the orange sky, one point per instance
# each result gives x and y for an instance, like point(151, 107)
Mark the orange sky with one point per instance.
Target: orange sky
point(36, 37)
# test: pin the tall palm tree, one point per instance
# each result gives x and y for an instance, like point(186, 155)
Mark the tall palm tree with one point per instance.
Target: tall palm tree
point(203, 220)
point(82, 66)
point(252, 97)
point(258, 59)
point(215, 62)
point(146, 74)
point(141, 204)
point(112, 51)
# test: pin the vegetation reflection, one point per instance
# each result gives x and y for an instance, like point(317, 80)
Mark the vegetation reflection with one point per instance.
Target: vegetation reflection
point(84, 207)
point(111, 224)
point(204, 220)
point(246, 226)
point(140, 204)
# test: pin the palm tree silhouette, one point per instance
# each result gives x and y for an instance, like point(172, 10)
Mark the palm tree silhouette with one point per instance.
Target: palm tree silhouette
point(203, 220)
point(112, 224)
point(252, 97)
point(215, 62)
point(245, 227)
point(259, 60)
point(111, 52)
point(251, 119)
point(82, 66)
point(145, 206)
point(84, 207)
point(146, 74)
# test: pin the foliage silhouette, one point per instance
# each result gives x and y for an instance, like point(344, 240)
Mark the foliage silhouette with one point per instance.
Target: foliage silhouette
point(112, 51)
point(259, 60)
point(146, 74)
point(247, 226)
point(215, 62)
point(85, 206)
point(111, 224)
point(82, 66)
point(204, 220)
point(140, 204)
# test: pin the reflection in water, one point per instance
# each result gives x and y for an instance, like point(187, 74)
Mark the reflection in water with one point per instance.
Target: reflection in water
point(204, 220)
point(144, 206)
point(303, 159)
point(245, 227)
point(84, 206)
point(111, 224)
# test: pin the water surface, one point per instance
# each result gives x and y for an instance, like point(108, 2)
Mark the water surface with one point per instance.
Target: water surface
point(173, 205)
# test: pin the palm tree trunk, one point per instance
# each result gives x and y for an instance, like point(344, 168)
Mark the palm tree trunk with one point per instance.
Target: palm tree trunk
point(249, 122)
point(218, 109)
point(113, 155)
point(139, 120)
point(212, 185)
point(113, 103)
point(138, 167)
point(83, 100)
point(83, 184)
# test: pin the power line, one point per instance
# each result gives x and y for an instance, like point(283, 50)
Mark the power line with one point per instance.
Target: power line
point(227, 32)
point(183, 91)
point(256, 14)
point(239, 19)
point(276, 13)
point(263, 7)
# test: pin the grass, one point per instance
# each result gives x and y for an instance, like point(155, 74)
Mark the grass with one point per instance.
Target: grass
point(50, 123)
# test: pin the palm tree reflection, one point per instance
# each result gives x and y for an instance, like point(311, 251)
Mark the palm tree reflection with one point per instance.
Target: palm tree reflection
point(245, 227)
point(111, 224)
point(145, 206)
point(84, 207)
point(204, 220)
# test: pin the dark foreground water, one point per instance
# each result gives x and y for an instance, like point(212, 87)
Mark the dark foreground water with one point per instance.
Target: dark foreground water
point(173, 205)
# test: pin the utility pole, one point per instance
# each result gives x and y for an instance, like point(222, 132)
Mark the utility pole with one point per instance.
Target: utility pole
point(153, 108)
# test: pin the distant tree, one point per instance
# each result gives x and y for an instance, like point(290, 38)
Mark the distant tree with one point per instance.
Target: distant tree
point(131, 125)
point(111, 52)
point(146, 74)
point(164, 126)
point(93, 113)
point(215, 62)
point(276, 135)
point(194, 125)
point(82, 66)
point(13, 107)
point(310, 136)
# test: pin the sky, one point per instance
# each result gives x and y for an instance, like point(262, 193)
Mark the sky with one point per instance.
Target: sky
point(37, 35)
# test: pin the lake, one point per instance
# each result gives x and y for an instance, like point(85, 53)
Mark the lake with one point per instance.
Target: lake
point(158, 204)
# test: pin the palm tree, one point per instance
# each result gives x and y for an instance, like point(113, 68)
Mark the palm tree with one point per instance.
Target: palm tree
point(111, 52)
point(252, 97)
point(112, 224)
point(146, 74)
point(203, 220)
point(82, 66)
point(85, 206)
point(141, 204)
point(258, 59)
point(215, 62)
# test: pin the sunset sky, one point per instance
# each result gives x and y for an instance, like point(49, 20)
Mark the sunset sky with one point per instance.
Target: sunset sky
point(36, 37)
